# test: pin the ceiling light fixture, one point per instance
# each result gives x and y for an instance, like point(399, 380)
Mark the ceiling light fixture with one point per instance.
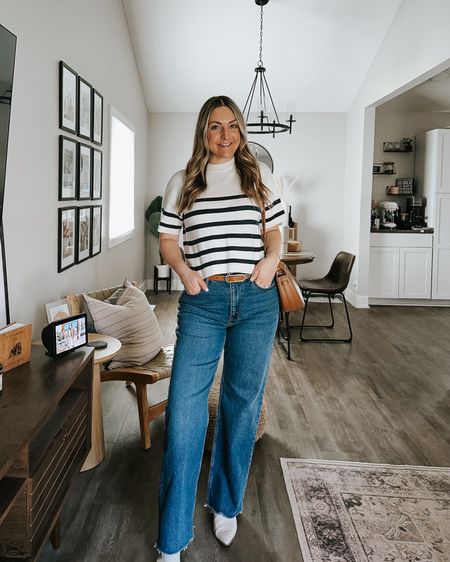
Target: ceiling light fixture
point(267, 116)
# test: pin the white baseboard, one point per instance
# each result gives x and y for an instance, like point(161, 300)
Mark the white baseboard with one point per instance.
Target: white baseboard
point(408, 302)
point(358, 301)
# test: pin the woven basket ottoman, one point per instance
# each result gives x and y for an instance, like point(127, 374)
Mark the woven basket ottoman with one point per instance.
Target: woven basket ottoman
point(213, 402)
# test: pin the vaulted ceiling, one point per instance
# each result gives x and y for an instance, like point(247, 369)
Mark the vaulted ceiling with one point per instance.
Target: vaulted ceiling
point(317, 52)
point(431, 96)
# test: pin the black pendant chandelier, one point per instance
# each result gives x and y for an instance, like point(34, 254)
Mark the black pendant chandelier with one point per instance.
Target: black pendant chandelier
point(268, 122)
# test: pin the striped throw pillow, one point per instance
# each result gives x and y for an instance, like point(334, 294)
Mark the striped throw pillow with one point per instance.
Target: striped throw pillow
point(132, 322)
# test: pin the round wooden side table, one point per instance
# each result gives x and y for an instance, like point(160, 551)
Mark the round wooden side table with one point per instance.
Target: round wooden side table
point(97, 452)
point(292, 259)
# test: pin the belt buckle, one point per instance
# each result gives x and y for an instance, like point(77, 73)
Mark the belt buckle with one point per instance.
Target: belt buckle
point(235, 277)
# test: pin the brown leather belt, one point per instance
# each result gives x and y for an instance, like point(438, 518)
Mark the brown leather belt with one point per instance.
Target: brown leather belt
point(230, 277)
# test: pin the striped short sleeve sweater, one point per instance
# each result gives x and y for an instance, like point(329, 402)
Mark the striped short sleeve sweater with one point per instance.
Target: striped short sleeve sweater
point(222, 230)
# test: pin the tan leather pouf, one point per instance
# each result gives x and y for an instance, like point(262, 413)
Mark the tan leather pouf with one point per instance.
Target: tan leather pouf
point(212, 408)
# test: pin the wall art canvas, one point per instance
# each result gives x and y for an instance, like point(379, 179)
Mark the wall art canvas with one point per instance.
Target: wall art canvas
point(57, 310)
point(97, 117)
point(96, 234)
point(66, 237)
point(97, 168)
point(68, 96)
point(84, 108)
point(68, 154)
point(84, 234)
point(84, 171)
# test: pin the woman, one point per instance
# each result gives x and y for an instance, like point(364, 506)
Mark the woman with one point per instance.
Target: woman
point(230, 305)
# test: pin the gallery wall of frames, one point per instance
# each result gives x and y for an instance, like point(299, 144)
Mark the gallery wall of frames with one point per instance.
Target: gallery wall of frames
point(80, 169)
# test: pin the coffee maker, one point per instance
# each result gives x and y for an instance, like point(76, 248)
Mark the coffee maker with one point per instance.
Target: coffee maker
point(389, 214)
point(415, 207)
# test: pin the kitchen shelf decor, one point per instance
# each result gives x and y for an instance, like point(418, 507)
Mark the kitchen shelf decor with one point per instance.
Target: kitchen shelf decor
point(405, 182)
point(405, 145)
point(384, 168)
point(399, 190)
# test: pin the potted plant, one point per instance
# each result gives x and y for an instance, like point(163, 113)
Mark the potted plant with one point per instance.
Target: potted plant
point(152, 218)
point(406, 145)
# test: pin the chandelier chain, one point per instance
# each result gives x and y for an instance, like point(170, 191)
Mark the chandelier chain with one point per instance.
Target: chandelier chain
point(260, 62)
point(267, 120)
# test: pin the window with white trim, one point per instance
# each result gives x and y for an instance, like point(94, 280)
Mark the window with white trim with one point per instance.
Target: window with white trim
point(121, 180)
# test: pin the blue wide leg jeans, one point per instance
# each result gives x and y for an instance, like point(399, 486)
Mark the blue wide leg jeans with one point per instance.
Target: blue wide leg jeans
point(239, 319)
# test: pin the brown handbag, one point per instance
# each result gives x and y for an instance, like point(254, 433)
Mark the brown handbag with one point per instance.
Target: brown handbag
point(289, 292)
point(291, 297)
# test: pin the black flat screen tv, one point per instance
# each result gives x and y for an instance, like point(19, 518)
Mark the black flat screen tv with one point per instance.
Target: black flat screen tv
point(7, 58)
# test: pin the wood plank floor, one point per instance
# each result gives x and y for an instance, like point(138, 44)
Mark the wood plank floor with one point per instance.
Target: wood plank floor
point(384, 398)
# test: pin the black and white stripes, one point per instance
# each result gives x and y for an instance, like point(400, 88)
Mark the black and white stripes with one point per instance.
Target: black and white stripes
point(221, 233)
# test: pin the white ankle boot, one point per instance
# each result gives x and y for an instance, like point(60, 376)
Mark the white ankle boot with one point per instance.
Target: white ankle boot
point(169, 557)
point(225, 529)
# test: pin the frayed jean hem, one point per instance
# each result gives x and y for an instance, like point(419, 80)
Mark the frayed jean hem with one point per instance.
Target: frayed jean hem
point(179, 550)
point(214, 512)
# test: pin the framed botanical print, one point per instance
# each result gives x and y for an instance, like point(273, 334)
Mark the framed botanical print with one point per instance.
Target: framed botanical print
point(83, 233)
point(84, 171)
point(68, 97)
point(66, 237)
point(97, 169)
point(68, 155)
point(84, 108)
point(97, 117)
point(96, 230)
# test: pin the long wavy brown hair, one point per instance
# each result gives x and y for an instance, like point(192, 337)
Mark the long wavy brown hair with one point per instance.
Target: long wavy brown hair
point(246, 164)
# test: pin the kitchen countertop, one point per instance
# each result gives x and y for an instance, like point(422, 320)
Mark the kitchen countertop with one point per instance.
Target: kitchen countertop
point(424, 230)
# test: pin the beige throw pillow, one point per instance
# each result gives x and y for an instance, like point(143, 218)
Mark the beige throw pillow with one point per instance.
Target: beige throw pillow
point(132, 322)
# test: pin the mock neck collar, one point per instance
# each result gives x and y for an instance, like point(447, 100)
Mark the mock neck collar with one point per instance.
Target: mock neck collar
point(223, 167)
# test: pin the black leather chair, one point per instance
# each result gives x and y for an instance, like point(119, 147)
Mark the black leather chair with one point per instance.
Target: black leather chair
point(334, 283)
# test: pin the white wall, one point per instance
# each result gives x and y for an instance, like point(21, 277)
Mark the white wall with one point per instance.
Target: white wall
point(314, 152)
point(92, 38)
point(417, 45)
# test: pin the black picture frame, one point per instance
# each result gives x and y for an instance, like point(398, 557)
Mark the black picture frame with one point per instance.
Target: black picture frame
point(68, 98)
point(68, 169)
point(83, 234)
point(84, 116)
point(84, 175)
point(97, 173)
point(97, 117)
point(96, 230)
point(67, 235)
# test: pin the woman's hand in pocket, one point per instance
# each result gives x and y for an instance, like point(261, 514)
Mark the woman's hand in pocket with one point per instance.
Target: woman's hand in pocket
point(193, 282)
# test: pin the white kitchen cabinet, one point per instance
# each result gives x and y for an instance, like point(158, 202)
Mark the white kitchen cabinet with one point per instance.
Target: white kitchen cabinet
point(441, 274)
point(441, 260)
point(400, 266)
point(415, 273)
point(436, 189)
point(436, 162)
point(443, 162)
point(384, 273)
point(442, 220)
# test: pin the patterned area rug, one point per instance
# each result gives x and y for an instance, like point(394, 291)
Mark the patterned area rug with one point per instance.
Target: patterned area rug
point(334, 300)
point(359, 512)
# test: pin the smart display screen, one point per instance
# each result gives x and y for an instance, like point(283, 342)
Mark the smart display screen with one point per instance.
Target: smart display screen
point(70, 334)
